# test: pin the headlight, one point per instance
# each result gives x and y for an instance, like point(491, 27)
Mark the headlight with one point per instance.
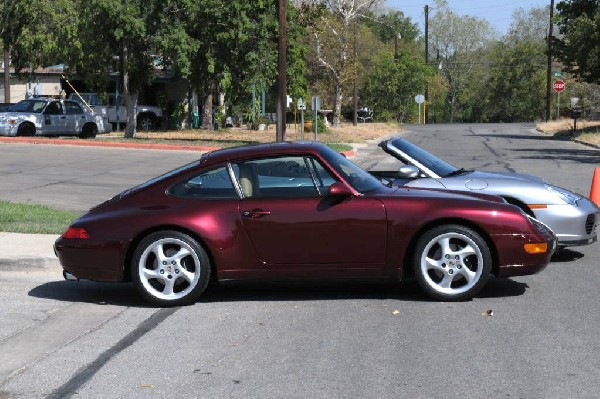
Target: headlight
point(565, 195)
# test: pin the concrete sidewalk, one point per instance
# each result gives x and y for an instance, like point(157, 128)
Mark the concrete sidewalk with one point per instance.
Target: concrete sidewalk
point(27, 252)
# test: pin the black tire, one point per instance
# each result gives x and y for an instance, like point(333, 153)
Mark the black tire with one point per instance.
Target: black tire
point(452, 263)
point(182, 275)
point(88, 131)
point(145, 122)
point(26, 129)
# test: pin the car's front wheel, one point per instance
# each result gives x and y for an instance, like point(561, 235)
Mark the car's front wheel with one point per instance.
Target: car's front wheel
point(452, 262)
point(26, 129)
point(170, 268)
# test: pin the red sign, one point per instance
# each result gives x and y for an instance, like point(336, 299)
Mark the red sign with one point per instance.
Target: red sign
point(558, 86)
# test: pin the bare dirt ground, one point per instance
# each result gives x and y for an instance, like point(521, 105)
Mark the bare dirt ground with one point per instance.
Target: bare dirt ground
point(345, 133)
point(588, 131)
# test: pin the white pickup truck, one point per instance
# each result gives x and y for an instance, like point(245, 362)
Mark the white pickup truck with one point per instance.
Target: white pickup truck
point(148, 116)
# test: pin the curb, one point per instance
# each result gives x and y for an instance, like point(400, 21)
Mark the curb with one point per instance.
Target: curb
point(34, 140)
point(30, 264)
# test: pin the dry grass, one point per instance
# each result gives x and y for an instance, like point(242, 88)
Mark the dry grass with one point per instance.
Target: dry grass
point(588, 131)
point(345, 133)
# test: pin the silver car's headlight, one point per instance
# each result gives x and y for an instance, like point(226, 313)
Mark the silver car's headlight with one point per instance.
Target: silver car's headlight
point(565, 195)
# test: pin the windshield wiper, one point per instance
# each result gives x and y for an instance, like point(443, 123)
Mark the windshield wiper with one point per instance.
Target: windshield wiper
point(457, 172)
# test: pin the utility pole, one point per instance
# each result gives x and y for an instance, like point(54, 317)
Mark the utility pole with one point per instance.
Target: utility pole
point(6, 49)
point(426, 58)
point(281, 80)
point(6, 74)
point(355, 88)
point(549, 69)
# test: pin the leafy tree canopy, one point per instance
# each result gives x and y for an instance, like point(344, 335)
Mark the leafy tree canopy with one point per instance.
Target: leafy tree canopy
point(579, 47)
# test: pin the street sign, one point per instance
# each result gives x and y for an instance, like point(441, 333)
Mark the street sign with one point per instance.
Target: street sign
point(316, 103)
point(558, 86)
point(419, 99)
point(558, 74)
point(300, 105)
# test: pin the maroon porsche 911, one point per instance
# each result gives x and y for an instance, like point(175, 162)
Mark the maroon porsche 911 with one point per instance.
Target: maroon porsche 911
point(296, 210)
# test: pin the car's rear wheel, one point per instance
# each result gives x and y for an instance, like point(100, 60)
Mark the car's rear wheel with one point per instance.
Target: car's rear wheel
point(145, 122)
point(26, 129)
point(452, 262)
point(170, 268)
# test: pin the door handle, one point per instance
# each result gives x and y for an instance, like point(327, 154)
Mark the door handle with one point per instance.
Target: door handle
point(255, 213)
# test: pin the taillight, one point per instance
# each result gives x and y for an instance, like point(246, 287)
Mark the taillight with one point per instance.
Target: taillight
point(76, 232)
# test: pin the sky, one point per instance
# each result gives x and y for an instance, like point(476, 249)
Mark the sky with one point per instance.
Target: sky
point(497, 12)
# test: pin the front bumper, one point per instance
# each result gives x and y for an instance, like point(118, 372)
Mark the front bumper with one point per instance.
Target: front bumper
point(574, 225)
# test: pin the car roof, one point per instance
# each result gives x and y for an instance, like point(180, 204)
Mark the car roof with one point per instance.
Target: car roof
point(257, 150)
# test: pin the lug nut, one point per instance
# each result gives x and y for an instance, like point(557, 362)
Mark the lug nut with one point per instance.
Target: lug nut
point(162, 271)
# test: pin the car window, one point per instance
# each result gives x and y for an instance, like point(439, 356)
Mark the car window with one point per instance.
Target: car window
point(283, 177)
point(361, 180)
point(212, 184)
point(112, 100)
point(73, 108)
point(54, 108)
point(35, 106)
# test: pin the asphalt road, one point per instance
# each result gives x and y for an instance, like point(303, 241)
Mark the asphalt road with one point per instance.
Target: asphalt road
point(329, 340)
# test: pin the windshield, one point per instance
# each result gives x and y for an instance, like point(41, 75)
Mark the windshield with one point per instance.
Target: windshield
point(35, 106)
point(424, 158)
point(357, 177)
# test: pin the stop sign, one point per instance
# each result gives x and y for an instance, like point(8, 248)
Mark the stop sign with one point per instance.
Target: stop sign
point(558, 86)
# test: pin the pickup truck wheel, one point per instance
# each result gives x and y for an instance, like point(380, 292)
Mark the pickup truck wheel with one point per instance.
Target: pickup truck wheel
point(26, 129)
point(145, 122)
point(89, 131)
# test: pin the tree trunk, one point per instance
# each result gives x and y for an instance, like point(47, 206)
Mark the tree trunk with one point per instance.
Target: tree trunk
point(337, 104)
point(207, 112)
point(130, 98)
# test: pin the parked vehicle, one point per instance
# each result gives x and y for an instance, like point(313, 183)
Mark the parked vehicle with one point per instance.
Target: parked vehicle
point(148, 117)
point(49, 116)
point(572, 217)
point(4, 106)
point(296, 210)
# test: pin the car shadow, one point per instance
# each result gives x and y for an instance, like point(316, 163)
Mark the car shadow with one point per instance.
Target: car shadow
point(566, 255)
point(83, 291)
point(124, 294)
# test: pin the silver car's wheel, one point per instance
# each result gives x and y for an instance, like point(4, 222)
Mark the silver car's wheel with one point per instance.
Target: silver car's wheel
point(170, 268)
point(452, 262)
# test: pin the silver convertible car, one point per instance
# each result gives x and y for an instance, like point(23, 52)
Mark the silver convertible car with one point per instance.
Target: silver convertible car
point(573, 218)
point(49, 116)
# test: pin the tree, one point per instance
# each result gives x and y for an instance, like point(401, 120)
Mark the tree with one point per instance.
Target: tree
point(457, 42)
point(391, 84)
point(579, 48)
point(35, 31)
point(333, 37)
point(513, 88)
point(121, 30)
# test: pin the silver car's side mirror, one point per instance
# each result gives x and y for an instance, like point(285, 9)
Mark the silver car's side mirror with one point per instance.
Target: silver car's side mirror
point(408, 172)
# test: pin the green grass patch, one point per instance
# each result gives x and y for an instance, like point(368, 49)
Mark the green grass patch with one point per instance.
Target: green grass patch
point(33, 219)
point(340, 147)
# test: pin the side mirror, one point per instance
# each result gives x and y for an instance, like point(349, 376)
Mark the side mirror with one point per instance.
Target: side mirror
point(338, 189)
point(408, 172)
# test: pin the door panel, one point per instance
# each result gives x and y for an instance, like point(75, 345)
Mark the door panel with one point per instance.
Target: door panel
point(317, 231)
